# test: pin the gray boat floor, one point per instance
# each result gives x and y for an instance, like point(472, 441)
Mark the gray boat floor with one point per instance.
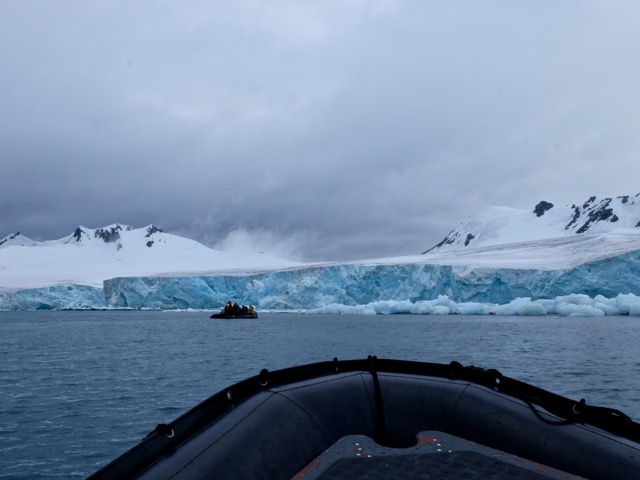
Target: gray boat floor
point(436, 455)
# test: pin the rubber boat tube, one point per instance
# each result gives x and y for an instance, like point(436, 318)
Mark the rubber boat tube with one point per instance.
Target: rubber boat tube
point(275, 424)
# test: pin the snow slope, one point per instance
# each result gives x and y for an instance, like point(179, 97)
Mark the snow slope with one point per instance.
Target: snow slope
point(491, 226)
point(89, 256)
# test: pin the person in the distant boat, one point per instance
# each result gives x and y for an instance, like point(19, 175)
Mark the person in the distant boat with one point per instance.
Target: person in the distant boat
point(228, 308)
point(245, 310)
point(236, 309)
point(251, 310)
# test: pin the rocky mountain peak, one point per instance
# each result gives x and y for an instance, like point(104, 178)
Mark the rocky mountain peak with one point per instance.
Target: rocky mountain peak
point(501, 225)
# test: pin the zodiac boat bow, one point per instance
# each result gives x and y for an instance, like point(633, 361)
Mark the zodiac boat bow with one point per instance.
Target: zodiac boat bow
point(388, 419)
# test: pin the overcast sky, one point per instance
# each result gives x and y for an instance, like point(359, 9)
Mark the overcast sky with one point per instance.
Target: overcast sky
point(316, 130)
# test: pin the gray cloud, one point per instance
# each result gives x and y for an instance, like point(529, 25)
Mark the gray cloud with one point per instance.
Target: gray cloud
point(322, 130)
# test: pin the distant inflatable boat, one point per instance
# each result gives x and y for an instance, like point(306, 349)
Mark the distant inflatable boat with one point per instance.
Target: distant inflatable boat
point(230, 315)
point(380, 418)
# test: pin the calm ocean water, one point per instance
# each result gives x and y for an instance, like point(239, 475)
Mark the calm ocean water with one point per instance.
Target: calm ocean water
point(79, 388)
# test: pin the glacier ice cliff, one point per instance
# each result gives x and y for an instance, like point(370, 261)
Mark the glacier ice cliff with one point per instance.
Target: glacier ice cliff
point(605, 287)
point(598, 287)
point(56, 297)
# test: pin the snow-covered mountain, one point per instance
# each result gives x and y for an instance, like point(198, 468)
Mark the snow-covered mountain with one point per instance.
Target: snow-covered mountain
point(16, 239)
point(88, 256)
point(492, 226)
point(547, 237)
point(572, 260)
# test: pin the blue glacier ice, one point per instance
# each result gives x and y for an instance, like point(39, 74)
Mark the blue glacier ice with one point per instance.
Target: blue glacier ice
point(605, 287)
point(55, 297)
point(610, 286)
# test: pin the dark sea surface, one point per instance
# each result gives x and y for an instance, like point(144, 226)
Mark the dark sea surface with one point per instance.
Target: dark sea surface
point(79, 388)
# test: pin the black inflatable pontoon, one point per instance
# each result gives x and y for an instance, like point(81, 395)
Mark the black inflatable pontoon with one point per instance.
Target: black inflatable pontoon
point(229, 316)
point(377, 418)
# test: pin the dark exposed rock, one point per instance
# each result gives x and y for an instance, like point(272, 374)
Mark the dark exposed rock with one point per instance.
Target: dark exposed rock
point(109, 236)
point(10, 237)
point(150, 244)
point(574, 218)
point(584, 228)
point(151, 229)
point(542, 207)
point(448, 240)
point(468, 239)
point(78, 234)
point(594, 214)
point(601, 214)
